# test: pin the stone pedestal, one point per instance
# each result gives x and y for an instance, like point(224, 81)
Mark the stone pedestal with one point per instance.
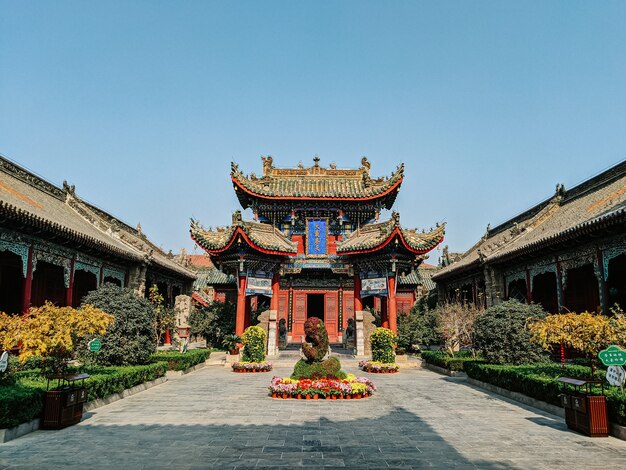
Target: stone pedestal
point(272, 349)
point(359, 333)
point(368, 328)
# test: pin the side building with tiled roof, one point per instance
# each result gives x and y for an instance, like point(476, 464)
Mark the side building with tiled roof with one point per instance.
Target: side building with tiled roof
point(567, 253)
point(316, 247)
point(56, 247)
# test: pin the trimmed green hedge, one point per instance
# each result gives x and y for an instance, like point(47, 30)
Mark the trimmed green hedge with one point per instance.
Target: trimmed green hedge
point(539, 381)
point(23, 401)
point(181, 361)
point(19, 403)
point(443, 359)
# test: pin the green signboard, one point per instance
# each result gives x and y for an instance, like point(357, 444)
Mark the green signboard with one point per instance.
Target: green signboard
point(94, 345)
point(613, 356)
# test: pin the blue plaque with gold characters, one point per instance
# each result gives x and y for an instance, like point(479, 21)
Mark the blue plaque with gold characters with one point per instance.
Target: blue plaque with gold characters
point(316, 231)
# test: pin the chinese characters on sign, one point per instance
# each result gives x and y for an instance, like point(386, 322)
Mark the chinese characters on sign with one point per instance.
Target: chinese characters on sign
point(316, 237)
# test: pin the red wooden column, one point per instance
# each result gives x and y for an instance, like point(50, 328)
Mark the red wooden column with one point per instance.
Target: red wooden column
point(384, 312)
point(168, 338)
point(28, 282)
point(241, 306)
point(69, 292)
point(275, 292)
point(358, 303)
point(393, 305)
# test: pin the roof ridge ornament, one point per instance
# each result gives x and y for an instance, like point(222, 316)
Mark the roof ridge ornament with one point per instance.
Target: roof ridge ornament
point(395, 215)
point(268, 164)
point(237, 218)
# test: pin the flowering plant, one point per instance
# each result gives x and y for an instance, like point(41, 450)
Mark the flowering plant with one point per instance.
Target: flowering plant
point(379, 367)
point(335, 388)
point(252, 366)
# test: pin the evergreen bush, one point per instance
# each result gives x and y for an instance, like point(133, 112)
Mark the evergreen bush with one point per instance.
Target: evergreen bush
point(419, 326)
point(383, 341)
point(501, 337)
point(213, 322)
point(130, 340)
point(254, 339)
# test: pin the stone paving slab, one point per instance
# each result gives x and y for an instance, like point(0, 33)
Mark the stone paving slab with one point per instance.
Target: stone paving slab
point(216, 419)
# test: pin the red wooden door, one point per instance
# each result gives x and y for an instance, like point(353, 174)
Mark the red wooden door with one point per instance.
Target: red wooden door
point(348, 308)
point(299, 316)
point(331, 315)
point(283, 306)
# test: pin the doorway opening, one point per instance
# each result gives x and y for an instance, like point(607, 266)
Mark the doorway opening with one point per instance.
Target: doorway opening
point(315, 306)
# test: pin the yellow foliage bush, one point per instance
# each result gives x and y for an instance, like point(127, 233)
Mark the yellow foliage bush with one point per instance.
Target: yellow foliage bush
point(51, 332)
point(585, 332)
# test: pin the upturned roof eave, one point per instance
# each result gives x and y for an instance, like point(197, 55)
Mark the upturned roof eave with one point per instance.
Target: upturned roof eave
point(397, 231)
point(238, 231)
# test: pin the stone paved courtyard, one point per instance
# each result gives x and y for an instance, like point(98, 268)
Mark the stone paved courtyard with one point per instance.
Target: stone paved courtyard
point(214, 418)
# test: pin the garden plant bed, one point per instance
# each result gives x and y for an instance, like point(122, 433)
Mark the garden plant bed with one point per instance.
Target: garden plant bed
point(350, 388)
point(538, 381)
point(375, 367)
point(21, 403)
point(248, 367)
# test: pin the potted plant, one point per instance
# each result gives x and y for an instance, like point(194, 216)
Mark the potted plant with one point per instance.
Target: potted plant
point(231, 343)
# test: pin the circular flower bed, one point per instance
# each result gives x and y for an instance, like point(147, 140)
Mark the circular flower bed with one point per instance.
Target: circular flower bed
point(350, 388)
point(379, 367)
point(251, 366)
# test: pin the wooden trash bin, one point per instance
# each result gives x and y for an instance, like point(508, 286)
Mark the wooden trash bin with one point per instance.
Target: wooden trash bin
point(584, 412)
point(64, 405)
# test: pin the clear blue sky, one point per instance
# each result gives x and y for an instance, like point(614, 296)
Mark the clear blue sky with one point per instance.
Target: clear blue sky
point(142, 105)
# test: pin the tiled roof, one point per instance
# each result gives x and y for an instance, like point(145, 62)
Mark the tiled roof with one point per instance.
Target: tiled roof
point(419, 277)
point(262, 236)
point(591, 206)
point(316, 182)
point(201, 298)
point(34, 202)
point(200, 261)
point(378, 234)
point(211, 277)
point(427, 266)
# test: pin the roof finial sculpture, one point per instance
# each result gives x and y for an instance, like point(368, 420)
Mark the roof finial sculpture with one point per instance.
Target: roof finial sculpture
point(267, 164)
point(70, 189)
point(237, 219)
point(316, 160)
point(560, 191)
point(365, 164)
point(396, 217)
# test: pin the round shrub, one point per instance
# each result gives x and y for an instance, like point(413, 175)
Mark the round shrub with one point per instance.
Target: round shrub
point(130, 340)
point(383, 341)
point(330, 368)
point(501, 337)
point(254, 339)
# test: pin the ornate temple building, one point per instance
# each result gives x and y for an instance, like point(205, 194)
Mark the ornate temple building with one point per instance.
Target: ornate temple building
point(55, 246)
point(316, 246)
point(567, 253)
